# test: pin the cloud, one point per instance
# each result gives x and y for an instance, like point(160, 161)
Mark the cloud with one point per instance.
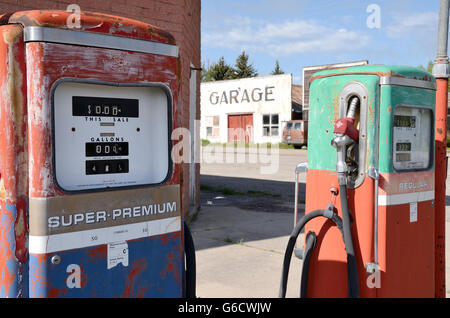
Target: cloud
point(286, 38)
point(415, 24)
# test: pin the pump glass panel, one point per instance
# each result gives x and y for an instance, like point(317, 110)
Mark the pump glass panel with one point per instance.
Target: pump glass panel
point(412, 131)
point(110, 136)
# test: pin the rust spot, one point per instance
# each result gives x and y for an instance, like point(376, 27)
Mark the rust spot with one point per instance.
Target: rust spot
point(138, 266)
point(21, 231)
point(335, 106)
point(12, 35)
point(93, 22)
point(55, 292)
point(98, 253)
point(389, 109)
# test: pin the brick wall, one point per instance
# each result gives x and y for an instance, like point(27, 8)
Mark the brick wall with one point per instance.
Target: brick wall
point(180, 17)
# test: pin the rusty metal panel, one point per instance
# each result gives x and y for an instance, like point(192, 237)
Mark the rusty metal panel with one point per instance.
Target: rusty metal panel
point(47, 63)
point(93, 22)
point(13, 164)
point(46, 262)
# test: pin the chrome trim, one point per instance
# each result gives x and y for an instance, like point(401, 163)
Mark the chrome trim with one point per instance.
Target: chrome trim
point(401, 81)
point(355, 88)
point(52, 35)
point(373, 173)
point(302, 167)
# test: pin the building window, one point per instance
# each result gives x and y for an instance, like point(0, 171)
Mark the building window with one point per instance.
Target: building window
point(271, 125)
point(209, 131)
point(448, 121)
point(212, 126)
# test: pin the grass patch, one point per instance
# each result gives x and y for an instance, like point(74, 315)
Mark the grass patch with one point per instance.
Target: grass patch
point(223, 190)
point(205, 142)
point(206, 187)
point(285, 146)
point(230, 240)
point(255, 193)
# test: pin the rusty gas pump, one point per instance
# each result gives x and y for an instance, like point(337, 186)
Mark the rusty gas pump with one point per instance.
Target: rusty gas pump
point(90, 197)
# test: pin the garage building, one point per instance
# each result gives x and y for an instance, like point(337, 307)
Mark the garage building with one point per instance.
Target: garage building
point(251, 110)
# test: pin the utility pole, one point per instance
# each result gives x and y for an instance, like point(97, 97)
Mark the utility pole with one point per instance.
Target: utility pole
point(441, 73)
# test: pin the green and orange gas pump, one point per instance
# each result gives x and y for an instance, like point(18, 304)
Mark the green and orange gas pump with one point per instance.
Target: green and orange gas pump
point(369, 219)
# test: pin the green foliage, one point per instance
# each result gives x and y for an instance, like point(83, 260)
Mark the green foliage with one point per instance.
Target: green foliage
point(217, 71)
point(242, 68)
point(205, 142)
point(221, 71)
point(206, 73)
point(277, 70)
point(429, 69)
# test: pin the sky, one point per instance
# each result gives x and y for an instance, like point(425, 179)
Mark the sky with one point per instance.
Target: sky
point(301, 33)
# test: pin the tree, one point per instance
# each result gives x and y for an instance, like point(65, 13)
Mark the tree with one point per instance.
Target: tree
point(242, 68)
point(206, 75)
point(218, 71)
point(277, 70)
point(429, 69)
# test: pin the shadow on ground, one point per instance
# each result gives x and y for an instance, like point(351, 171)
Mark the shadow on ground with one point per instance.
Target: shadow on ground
point(250, 212)
point(249, 194)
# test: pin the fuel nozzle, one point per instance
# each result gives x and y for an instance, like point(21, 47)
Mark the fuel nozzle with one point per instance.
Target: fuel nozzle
point(346, 126)
point(345, 135)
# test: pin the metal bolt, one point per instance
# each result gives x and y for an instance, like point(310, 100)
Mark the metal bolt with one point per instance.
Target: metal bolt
point(56, 259)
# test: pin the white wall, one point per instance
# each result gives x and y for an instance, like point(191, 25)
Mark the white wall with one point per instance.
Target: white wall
point(257, 96)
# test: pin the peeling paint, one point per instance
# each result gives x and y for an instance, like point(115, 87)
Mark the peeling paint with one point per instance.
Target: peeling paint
point(156, 263)
point(93, 22)
point(13, 165)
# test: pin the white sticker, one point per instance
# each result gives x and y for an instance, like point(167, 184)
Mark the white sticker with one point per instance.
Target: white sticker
point(117, 253)
point(413, 212)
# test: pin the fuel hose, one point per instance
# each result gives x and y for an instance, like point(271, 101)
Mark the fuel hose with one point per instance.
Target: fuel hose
point(190, 270)
point(352, 271)
point(328, 213)
point(310, 244)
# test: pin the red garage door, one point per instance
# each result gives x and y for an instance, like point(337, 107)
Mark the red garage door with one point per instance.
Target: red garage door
point(240, 128)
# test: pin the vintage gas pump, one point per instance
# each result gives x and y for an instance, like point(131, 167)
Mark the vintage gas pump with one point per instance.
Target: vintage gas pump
point(369, 219)
point(90, 197)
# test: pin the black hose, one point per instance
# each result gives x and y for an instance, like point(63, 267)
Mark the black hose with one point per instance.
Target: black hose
point(352, 271)
point(290, 247)
point(310, 244)
point(293, 238)
point(190, 271)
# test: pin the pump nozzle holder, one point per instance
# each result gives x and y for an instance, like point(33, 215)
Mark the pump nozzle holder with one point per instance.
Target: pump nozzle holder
point(346, 126)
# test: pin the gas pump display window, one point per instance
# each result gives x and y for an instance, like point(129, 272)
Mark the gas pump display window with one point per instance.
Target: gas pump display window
point(412, 132)
point(96, 149)
point(405, 121)
point(109, 135)
point(105, 107)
